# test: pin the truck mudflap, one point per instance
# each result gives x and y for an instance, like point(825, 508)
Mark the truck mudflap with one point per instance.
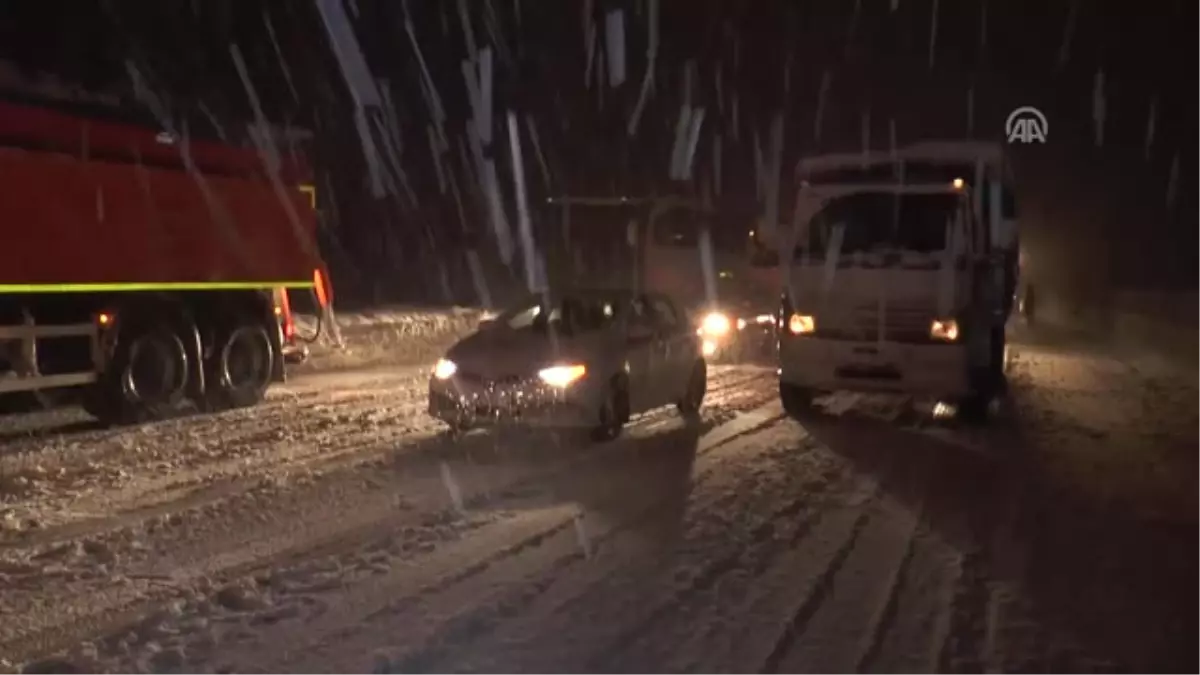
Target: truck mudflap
point(295, 354)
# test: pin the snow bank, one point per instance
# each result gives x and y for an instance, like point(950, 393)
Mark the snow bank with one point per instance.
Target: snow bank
point(1159, 329)
point(386, 336)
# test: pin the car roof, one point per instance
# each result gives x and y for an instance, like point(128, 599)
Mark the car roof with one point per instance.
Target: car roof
point(617, 293)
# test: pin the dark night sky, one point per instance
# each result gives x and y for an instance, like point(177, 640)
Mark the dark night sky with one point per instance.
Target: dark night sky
point(1084, 206)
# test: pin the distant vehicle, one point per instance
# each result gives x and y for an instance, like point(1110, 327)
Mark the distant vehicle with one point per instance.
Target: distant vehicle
point(739, 325)
point(728, 307)
point(901, 285)
point(585, 359)
point(144, 270)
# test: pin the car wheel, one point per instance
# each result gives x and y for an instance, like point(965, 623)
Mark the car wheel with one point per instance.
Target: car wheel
point(613, 413)
point(796, 400)
point(455, 432)
point(693, 395)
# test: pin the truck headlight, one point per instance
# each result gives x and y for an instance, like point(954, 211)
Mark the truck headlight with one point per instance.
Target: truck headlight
point(944, 329)
point(562, 376)
point(445, 369)
point(716, 324)
point(801, 324)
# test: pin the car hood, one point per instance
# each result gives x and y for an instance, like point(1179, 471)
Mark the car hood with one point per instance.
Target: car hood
point(496, 353)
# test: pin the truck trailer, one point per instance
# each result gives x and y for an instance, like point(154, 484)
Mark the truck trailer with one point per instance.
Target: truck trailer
point(144, 271)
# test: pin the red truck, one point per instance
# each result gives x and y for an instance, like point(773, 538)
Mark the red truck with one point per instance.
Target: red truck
point(143, 272)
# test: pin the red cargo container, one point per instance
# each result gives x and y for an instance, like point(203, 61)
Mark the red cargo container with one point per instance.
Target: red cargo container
point(145, 267)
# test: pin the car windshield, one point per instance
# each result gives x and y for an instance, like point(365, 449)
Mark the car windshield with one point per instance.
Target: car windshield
point(569, 314)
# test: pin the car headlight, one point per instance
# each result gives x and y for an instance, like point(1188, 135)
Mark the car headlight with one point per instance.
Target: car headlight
point(801, 324)
point(716, 324)
point(764, 318)
point(944, 329)
point(708, 347)
point(741, 324)
point(562, 376)
point(445, 369)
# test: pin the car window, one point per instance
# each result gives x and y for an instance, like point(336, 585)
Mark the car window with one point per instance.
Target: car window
point(522, 317)
point(640, 313)
point(665, 317)
point(588, 314)
point(573, 313)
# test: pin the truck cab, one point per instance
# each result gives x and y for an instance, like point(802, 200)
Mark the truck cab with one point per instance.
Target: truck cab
point(900, 286)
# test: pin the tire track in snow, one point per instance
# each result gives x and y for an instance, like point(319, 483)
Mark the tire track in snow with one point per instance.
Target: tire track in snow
point(815, 595)
point(108, 612)
point(783, 528)
point(235, 476)
point(620, 581)
point(885, 613)
point(505, 599)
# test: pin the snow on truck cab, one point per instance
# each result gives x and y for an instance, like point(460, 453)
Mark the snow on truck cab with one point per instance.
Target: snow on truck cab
point(902, 276)
point(142, 272)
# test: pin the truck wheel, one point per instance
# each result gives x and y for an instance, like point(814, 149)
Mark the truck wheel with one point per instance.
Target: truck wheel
point(796, 400)
point(973, 408)
point(239, 370)
point(146, 379)
point(693, 395)
point(998, 346)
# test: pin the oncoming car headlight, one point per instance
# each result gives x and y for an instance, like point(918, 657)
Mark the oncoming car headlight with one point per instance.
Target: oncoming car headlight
point(944, 329)
point(444, 369)
point(562, 376)
point(716, 324)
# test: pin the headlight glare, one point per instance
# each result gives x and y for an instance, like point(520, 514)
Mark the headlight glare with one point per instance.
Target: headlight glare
point(716, 324)
point(562, 376)
point(445, 369)
point(801, 324)
point(944, 329)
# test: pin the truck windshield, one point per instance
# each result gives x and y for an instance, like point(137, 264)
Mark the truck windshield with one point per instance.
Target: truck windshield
point(880, 221)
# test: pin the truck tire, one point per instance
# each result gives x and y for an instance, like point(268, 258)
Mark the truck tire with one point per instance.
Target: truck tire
point(987, 382)
point(693, 395)
point(239, 369)
point(146, 379)
point(796, 400)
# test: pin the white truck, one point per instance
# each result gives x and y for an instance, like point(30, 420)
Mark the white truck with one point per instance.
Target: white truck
point(902, 276)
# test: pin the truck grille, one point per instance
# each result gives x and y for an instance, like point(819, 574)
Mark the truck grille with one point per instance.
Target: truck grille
point(900, 324)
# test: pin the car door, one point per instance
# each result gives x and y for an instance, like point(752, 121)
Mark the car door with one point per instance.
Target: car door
point(640, 345)
point(675, 349)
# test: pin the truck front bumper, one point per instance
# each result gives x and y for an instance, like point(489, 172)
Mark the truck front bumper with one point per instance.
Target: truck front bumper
point(935, 370)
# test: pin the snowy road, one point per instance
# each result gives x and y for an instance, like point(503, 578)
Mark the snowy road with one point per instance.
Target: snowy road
point(333, 530)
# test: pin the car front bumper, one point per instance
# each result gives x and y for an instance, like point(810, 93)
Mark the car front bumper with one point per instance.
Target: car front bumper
point(938, 370)
point(467, 403)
